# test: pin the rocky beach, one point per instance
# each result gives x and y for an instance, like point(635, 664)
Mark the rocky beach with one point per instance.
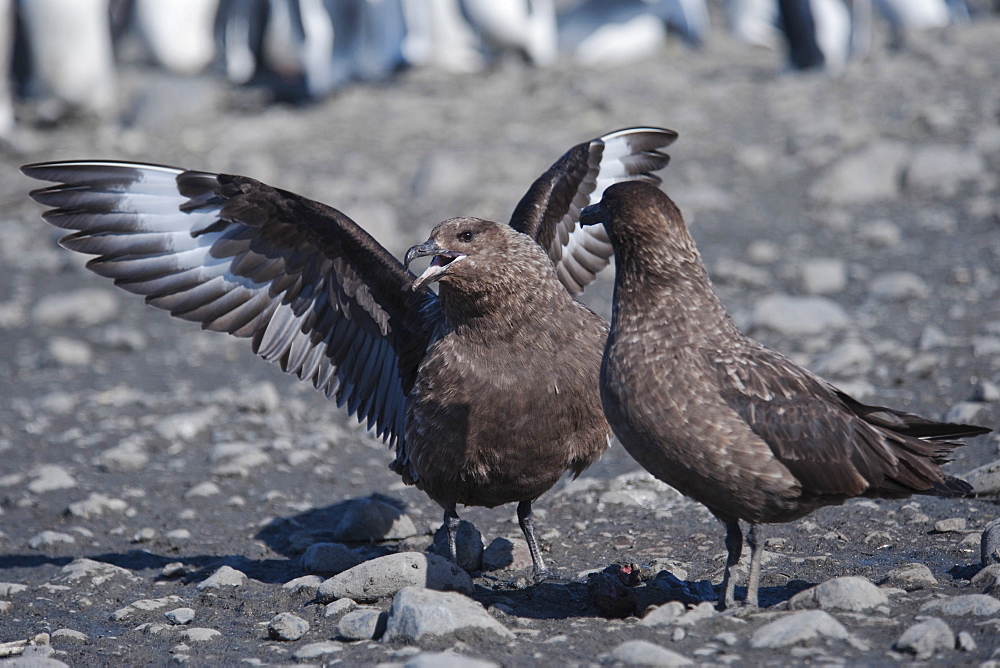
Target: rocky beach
point(166, 498)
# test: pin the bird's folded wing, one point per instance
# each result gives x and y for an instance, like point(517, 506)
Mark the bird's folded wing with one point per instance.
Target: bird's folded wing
point(550, 211)
point(312, 290)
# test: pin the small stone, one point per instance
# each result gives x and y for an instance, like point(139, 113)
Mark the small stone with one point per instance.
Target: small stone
point(468, 545)
point(260, 398)
point(824, 276)
point(870, 175)
point(95, 505)
point(362, 624)
point(49, 538)
point(386, 575)
point(92, 306)
point(989, 551)
point(180, 616)
point(933, 337)
point(69, 635)
point(941, 169)
point(845, 593)
point(986, 391)
point(197, 634)
point(225, 576)
point(286, 626)
point(307, 583)
point(95, 572)
point(70, 352)
point(8, 589)
point(373, 519)
point(979, 605)
point(799, 316)
point(126, 457)
point(964, 412)
point(237, 459)
point(339, 607)
point(847, 360)
point(986, 480)
point(645, 653)
point(48, 478)
point(202, 489)
point(763, 252)
point(949, 525)
point(329, 558)
point(988, 576)
point(144, 605)
point(728, 270)
point(966, 642)
point(880, 233)
point(446, 660)
point(418, 612)
point(926, 638)
point(144, 535)
point(668, 613)
point(315, 650)
point(910, 577)
point(185, 426)
point(898, 286)
point(797, 628)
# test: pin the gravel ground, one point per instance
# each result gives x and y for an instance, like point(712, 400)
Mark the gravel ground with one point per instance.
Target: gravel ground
point(159, 487)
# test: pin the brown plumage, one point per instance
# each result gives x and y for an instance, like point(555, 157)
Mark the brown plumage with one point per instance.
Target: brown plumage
point(726, 421)
point(488, 392)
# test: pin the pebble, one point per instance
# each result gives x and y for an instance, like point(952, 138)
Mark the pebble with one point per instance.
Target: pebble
point(799, 316)
point(50, 477)
point(943, 169)
point(824, 276)
point(989, 547)
point(49, 538)
point(144, 605)
point(185, 426)
point(763, 252)
point(225, 576)
point(668, 613)
point(70, 352)
point(800, 627)
point(329, 558)
point(237, 460)
point(315, 650)
point(418, 612)
point(985, 390)
point(286, 626)
point(371, 520)
point(11, 589)
point(950, 525)
point(979, 605)
point(70, 635)
point(339, 607)
point(203, 489)
point(645, 653)
point(362, 624)
point(728, 270)
point(933, 337)
point(96, 572)
point(260, 398)
point(506, 553)
point(848, 359)
point(870, 175)
point(307, 583)
point(95, 505)
point(383, 577)
point(925, 639)
point(468, 545)
point(180, 616)
point(126, 457)
point(910, 577)
point(898, 286)
point(199, 634)
point(964, 412)
point(91, 306)
point(966, 642)
point(447, 660)
point(880, 233)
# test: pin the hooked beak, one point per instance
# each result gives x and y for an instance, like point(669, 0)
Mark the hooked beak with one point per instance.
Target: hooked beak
point(442, 259)
point(591, 215)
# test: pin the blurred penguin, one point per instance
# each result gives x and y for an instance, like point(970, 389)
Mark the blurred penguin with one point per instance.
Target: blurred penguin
point(437, 35)
point(179, 33)
point(754, 22)
point(524, 26)
point(819, 33)
point(7, 22)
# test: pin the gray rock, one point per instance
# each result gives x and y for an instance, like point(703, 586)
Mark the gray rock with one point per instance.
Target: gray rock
point(95, 505)
point(126, 457)
point(979, 605)
point(763, 252)
point(800, 627)
point(329, 558)
point(468, 545)
point(799, 316)
point(985, 390)
point(880, 233)
point(910, 577)
point(339, 607)
point(224, 576)
point(50, 477)
point(943, 169)
point(94, 572)
point(668, 613)
point(315, 650)
point(237, 460)
point(70, 352)
point(870, 175)
point(286, 626)
point(199, 634)
point(180, 616)
point(383, 577)
point(950, 525)
point(185, 426)
point(989, 549)
point(703, 610)
point(848, 359)
point(925, 639)
point(8, 589)
point(362, 624)
point(966, 642)
point(202, 489)
point(417, 612)
point(845, 593)
point(964, 412)
point(446, 660)
point(49, 538)
point(260, 398)
point(307, 583)
point(933, 337)
point(69, 635)
point(506, 553)
point(645, 653)
point(988, 576)
point(898, 286)
point(144, 605)
point(986, 480)
point(824, 276)
point(91, 306)
point(372, 520)
point(728, 270)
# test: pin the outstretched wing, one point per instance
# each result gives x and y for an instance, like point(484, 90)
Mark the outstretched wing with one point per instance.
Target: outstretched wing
point(550, 211)
point(311, 290)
